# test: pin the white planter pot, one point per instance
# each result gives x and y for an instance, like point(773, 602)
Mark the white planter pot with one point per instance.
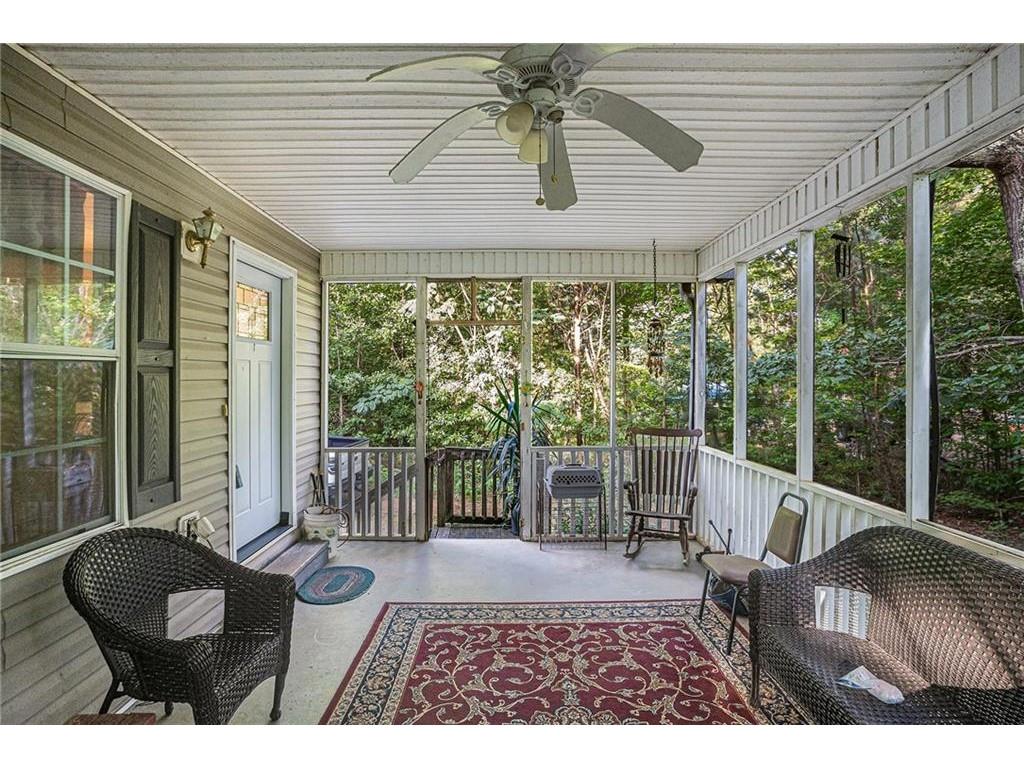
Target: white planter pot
point(321, 524)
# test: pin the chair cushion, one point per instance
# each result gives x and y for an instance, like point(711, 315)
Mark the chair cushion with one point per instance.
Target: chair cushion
point(735, 569)
point(809, 662)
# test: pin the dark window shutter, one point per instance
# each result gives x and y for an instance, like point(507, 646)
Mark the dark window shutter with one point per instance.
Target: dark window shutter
point(154, 349)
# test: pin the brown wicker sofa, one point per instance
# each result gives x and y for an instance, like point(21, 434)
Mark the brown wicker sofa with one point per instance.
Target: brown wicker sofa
point(945, 625)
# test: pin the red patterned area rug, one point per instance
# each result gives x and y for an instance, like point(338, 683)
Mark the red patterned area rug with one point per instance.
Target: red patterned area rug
point(552, 663)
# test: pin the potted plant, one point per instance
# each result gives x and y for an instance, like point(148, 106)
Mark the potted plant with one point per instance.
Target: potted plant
point(505, 452)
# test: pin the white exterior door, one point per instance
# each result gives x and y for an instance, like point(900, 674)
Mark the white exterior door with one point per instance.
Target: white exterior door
point(257, 403)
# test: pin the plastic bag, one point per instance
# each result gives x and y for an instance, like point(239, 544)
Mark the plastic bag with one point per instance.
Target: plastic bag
point(861, 679)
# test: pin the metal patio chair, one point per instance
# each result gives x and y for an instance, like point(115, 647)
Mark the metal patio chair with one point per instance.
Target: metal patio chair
point(663, 487)
point(785, 540)
point(120, 583)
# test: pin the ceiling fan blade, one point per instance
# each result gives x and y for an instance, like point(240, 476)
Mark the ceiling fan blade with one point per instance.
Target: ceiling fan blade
point(467, 63)
point(573, 59)
point(649, 130)
point(560, 192)
point(439, 138)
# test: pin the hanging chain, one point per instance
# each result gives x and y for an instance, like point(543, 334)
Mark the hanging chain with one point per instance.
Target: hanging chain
point(654, 250)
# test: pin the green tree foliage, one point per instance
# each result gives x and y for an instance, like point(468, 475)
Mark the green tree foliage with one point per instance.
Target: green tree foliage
point(979, 349)
point(771, 358)
point(642, 398)
point(571, 342)
point(721, 342)
point(468, 364)
point(372, 362)
point(860, 353)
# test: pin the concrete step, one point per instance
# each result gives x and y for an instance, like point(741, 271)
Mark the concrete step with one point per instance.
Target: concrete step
point(301, 560)
point(264, 557)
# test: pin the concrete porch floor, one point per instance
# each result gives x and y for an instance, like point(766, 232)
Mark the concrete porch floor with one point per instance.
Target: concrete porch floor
point(325, 639)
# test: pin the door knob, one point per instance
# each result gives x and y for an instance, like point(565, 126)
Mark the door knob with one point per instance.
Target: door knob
point(238, 478)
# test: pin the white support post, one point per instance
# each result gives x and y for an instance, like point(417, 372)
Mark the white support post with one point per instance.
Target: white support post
point(422, 523)
point(526, 486)
point(805, 357)
point(739, 385)
point(613, 425)
point(700, 372)
point(918, 372)
point(325, 404)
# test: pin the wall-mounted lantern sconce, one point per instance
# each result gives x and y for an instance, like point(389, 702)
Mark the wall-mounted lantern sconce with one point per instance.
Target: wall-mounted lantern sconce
point(207, 230)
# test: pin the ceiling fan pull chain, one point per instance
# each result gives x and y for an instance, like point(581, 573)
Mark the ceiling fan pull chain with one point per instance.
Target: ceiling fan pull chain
point(540, 185)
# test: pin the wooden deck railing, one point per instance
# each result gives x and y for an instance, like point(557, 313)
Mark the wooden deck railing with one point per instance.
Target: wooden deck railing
point(377, 487)
point(462, 487)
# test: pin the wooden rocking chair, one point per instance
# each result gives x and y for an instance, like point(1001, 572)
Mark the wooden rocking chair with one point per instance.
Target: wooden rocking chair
point(663, 487)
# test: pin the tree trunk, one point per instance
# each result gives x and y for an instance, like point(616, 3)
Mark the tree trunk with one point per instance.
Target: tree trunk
point(1005, 159)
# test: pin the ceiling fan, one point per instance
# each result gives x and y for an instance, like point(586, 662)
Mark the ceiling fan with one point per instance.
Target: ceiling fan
point(539, 82)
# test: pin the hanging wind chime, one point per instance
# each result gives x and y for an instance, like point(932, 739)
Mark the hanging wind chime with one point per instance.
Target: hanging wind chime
point(844, 265)
point(655, 328)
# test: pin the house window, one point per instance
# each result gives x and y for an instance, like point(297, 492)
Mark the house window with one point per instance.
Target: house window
point(60, 350)
point(978, 331)
point(771, 358)
point(721, 345)
point(860, 352)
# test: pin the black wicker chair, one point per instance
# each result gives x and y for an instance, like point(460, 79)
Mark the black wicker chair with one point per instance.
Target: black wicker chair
point(945, 625)
point(120, 583)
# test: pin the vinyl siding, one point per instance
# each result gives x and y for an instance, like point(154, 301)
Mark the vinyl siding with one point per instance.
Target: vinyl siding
point(50, 667)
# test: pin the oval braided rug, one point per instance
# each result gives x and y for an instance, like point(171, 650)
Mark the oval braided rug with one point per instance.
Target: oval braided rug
point(336, 584)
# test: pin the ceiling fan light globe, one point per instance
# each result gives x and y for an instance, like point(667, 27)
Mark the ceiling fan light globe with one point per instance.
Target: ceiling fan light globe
point(515, 123)
point(534, 149)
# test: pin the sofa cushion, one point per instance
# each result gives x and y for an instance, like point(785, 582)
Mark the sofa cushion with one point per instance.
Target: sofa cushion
point(809, 662)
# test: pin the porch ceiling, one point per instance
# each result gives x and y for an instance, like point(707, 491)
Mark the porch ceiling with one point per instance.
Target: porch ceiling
point(298, 131)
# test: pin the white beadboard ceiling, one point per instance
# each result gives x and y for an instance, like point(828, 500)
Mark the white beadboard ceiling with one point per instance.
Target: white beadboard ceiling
point(298, 131)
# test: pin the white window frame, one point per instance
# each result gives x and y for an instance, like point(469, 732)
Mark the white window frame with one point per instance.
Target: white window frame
point(117, 355)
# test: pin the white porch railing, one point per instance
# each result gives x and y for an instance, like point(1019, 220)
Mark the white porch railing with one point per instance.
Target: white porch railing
point(742, 495)
point(377, 487)
point(570, 518)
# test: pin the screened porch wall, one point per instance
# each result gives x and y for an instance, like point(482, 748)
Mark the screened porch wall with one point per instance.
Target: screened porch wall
point(970, 111)
point(51, 666)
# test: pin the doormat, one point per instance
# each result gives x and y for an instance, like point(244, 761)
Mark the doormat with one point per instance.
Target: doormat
point(337, 584)
point(472, 532)
point(553, 663)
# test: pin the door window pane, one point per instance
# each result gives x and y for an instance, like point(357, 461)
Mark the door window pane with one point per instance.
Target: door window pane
point(252, 313)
